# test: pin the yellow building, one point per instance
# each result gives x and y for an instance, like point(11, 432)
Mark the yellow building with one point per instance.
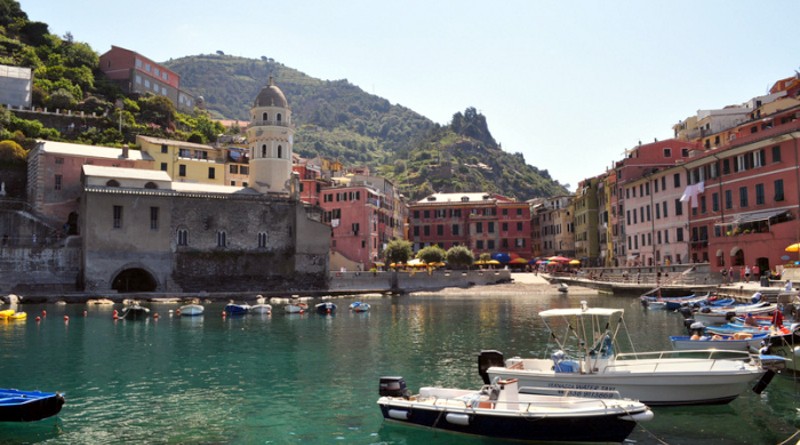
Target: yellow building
point(186, 161)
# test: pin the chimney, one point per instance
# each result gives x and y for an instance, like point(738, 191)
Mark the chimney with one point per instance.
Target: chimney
point(125, 151)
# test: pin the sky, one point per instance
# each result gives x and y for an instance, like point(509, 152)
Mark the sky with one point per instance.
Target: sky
point(569, 84)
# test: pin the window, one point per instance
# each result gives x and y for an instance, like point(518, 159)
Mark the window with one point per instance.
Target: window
point(779, 190)
point(280, 151)
point(456, 229)
point(164, 148)
point(234, 169)
point(426, 230)
point(679, 234)
point(264, 151)
point(490, 244)
point(262, 240)
point(776, 153)
point(760, 194)
point(117, 217)
point(479, 227)
point(490, 227)
point(416, 230)
point(728, 199)
point(678, 207)
point(181, 170)
point(742, 196)
point(163, 166)
point(504, 227)
point(715, 202)
point(667, 152)
point(265, 117)
point(664, 209)
point(211, 173)
point(479, 244)
point(519, 226)
point(278, 117)
point(59, 161)
point(439, 230)
point(183, 237)
point(221, 238)
point(57, 185)
point(676, 179)
point(243, 170)
point(153, 218)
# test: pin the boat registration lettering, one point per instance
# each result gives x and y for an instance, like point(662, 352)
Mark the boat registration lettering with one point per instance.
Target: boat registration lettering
point(586, 390)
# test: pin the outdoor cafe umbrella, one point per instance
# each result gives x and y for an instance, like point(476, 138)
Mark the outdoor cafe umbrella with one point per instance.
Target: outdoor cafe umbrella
point(558, 258)
point(519, 260)
point(575, 262)
point(502, 257)
point(793, 248)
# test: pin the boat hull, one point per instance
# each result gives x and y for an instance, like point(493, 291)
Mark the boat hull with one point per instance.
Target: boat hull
point(261, 309)
point(192, 310)
point(685, 343)
point(596, 428)
point(639, 381)
point(134, 313)
point(237, 309)
point(28, 406)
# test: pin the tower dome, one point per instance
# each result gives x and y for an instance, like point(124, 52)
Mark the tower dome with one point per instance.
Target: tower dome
point(271, 96)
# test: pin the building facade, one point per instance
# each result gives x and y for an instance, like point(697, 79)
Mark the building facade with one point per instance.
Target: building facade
point(137, 74)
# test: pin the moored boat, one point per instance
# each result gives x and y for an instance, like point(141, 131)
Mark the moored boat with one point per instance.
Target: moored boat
point(326, 307)
point(296, 308)
point(359, 306)
point(261, 308)
point(655, 378)
point(500, 411)
point(134, 311)
point(18, 316)
point(730, 342)
point(237, 309)
point(191, 310)
point(28, 406)
point(5, 313)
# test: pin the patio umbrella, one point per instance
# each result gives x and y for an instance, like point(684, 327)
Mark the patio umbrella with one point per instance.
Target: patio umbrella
point(793, 248)
point(575, 262)
point(519, 260)
point(502, 257)
point(558, 258)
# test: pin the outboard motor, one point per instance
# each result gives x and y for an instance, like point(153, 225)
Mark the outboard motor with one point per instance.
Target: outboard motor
point(487, 359)
point(696, 327)
point(393, 387)
point(730, 316)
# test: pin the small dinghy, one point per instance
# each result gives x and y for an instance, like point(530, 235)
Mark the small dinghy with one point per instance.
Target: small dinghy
point(261, 306)
point(500, 411)
point(563, 288)
point(237, 309)
point(191, 310)
point(27, 406)
point(325, 308)
point(134, 311)
point(296, 308)
point(359, 306)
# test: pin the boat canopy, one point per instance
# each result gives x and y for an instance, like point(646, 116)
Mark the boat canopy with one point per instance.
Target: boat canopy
point(598, 311)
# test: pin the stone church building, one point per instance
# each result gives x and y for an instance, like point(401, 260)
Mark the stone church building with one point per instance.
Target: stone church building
point(138, 230)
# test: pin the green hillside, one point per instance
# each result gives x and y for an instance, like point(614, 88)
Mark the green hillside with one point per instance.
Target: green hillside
point(338, 120)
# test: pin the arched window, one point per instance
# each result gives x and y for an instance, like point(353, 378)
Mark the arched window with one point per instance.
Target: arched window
point(151, 185)
point(278, 117)
point(112, 183)
point(262, 239)
point(264, 117)
point(183, 237)
point(221, 241)
point(280, 151)
point(264, 151)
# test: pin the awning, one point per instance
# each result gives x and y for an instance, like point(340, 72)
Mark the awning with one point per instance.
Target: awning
point(743, 218)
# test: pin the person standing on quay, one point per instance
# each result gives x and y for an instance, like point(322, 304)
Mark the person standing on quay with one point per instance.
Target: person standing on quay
point(747, 273)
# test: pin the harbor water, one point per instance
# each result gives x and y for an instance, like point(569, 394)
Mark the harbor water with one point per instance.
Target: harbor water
point(313, 379)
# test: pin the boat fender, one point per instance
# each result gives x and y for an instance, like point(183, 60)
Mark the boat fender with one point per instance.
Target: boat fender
point(457, 419)
point(399, 414)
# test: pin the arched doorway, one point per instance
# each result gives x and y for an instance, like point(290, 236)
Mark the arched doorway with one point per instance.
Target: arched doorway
point(737, 256)
point(134, 280)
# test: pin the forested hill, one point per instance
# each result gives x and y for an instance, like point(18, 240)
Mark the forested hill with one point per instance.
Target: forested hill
point(339, 120)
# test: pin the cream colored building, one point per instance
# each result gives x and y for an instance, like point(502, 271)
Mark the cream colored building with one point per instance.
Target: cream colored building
point(270, 136)
point(186, 161)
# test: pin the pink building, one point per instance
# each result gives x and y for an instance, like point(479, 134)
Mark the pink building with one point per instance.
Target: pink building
point(54, 174)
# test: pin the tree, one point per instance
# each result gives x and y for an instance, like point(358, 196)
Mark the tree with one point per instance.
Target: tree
point(12, 152)
point(398, 251)
point(485, 256)
point(158, 110)
point(431, 254)
point(460, 257)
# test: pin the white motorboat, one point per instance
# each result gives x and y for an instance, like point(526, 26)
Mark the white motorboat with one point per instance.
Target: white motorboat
point(655, 378)
point(713, 315)
point(261, 308)
point(191, 310)
point(359, 306)
point(296, 308)
point(500, 411)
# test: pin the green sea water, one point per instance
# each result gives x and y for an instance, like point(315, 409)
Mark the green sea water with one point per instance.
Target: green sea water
point(313, 379)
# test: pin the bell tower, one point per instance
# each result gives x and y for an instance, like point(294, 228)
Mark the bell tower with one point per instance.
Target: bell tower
point(270, 136)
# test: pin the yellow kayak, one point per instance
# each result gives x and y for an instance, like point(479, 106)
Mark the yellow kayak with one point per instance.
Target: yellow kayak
point(18, 316)
point(4, 314)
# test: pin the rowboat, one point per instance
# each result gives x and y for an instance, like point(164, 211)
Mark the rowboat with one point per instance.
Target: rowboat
point(134, 311)
point(237, 309)
point(500, 411)
point(296, 308)
point(325, 307)
point(27, 406)
point(191, 310)
point(359, 306)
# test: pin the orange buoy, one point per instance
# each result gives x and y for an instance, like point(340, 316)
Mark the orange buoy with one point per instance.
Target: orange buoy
point(44, 313)
point(224, 314)
point(66, 318)
point(155, 315)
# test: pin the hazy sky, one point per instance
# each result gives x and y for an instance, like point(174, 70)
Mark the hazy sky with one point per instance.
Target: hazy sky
point(570, 84)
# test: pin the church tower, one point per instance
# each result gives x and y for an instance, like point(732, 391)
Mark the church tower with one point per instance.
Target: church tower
point(270, 136)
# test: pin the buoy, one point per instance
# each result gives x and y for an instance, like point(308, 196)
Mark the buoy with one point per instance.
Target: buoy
point(38, 319)
point(115, 316)
point(223, 314)
point(155, 315)
point(66, 318)
point(44, 313)
point(85, 313)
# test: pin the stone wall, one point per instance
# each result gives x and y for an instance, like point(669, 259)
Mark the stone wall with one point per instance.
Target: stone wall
point(408, 282)
point(36, 270)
